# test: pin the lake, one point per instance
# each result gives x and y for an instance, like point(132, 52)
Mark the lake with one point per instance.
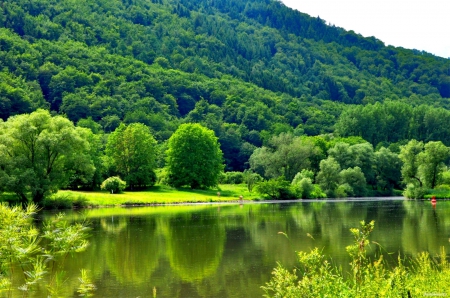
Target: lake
point(229, 250)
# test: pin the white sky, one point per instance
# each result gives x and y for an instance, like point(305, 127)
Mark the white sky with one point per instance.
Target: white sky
point(412, 24)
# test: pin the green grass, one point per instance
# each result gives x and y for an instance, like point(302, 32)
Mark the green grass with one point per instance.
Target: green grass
point(165, 195)
point(440, 192)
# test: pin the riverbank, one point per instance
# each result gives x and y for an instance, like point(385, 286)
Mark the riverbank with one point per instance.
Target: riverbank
point(157, 195)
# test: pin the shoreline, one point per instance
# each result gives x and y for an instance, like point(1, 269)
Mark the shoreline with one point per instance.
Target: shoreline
point(234, 202)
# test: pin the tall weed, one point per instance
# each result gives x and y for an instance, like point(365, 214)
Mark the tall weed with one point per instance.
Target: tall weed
point(316, 277)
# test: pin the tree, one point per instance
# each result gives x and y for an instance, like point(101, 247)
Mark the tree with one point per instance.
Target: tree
point(354, 177)
point(387, 169)
point(409, 154)
point(194, 157)
point(113, 185)
point(432, 162)
point(132, 153)
point(285, 155)
point(328, 176)
point(38, 154)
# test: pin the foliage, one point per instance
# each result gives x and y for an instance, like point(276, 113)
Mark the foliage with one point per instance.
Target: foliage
point(414, 191)
point(275, 189)
point(285, 156)
point(303, 174)
point(304, 188)
point(264, 86)
point(132, 153)
point(328, 177)
point(21, 249)
point(356, 181)
point(432, 161)
point(39, 153)
point(194, 157)
point(387, 169)
point(317, 277)
point(231, 178)
point(113, 185)
point(409, 154)
point(251, 179)
point(65, 201)
point(423, 165)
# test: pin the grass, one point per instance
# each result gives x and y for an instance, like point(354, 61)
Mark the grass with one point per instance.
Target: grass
point(440, 194)
point(164, 195)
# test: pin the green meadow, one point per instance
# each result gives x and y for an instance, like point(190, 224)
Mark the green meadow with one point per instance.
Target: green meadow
point(156, 195)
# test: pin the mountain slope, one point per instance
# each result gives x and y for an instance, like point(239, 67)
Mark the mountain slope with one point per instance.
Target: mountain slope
point(247, 69)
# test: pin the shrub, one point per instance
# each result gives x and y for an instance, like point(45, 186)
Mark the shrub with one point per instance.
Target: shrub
point(231, 178)
point(275, 189)
point(113, 185)
point(251, 179)
point(304, 188)
point(414, 192)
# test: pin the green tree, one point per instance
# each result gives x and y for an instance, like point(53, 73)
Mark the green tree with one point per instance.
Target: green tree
point(409, 154)
point(132, 153)
point(432, 162)
point(354, 177)
point(387, 169)
point(39, 153)
point(194, 157)
point(328, 176)
point(285, 155)
point(113, 185)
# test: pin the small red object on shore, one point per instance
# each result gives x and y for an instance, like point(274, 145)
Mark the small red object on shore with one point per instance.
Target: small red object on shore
point(433, 200)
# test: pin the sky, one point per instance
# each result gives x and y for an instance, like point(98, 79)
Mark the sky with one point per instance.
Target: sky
point(413, 24)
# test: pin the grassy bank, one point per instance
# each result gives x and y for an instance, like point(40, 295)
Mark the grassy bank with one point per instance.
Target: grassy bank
point(157, 195)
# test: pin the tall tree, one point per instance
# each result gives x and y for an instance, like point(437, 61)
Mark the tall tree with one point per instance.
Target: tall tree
point(285, 155)
point(409, 154)
point(132, 152)
point(194, 157)
point(432, 162)
point(387, 169)
point(38, 154)
point(328, 176)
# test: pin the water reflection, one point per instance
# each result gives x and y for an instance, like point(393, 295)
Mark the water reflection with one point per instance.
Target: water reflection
point(230, 250)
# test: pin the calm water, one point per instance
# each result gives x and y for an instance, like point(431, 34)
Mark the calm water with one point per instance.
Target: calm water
point(230, 250)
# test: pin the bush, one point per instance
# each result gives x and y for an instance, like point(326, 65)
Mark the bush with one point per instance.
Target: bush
point(303, 188)
point(276, 189)
point(344, 191)
point(113, 185)
point(317, 192)
point(414, 192)
point(251, 178)
point(231, 178)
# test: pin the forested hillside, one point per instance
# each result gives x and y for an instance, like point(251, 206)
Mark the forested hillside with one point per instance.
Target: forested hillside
point(248, 70)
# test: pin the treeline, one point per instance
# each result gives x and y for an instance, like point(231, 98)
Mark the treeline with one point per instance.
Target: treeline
point(40, 154)
point(319, 167)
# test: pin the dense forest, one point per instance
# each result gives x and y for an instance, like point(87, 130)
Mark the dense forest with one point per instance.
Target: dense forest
point(248, 70)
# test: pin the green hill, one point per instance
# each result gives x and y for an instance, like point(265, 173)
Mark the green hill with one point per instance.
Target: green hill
point(248, 69)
